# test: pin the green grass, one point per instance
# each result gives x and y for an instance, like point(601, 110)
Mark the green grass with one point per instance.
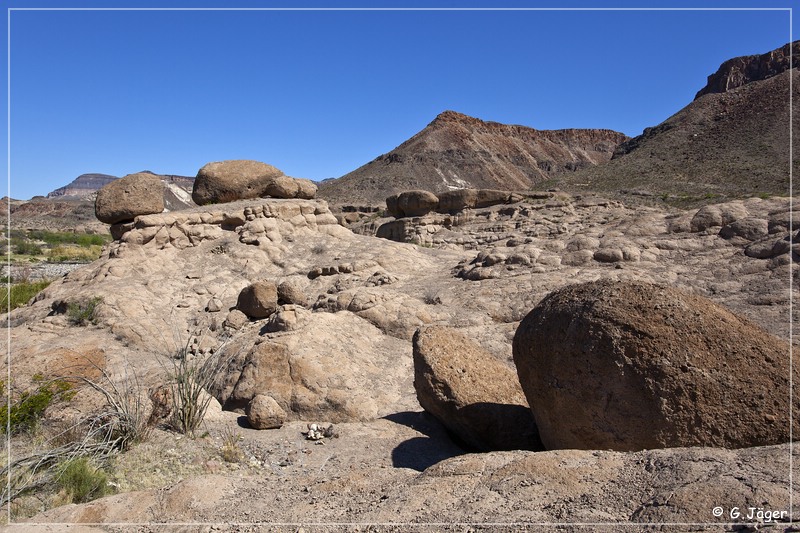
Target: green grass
point(62, 253)
point(81, 239)
point(81, 481)
point(24, 413)
point(21, 293)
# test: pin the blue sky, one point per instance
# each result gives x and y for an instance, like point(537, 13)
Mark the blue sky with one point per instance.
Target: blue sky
point(319, 93)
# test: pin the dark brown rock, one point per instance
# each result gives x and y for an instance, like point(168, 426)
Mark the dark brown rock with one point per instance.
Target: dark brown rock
point(630, 366)
point(128, 197)
point(413, 204)
point(457, 200)
point(473, 394)
point(258, 300)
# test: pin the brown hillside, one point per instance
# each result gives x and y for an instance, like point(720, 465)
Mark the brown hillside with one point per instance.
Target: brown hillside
point(457, 151)
point(722, 145)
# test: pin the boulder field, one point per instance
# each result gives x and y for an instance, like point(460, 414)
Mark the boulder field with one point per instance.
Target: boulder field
point(354, 321)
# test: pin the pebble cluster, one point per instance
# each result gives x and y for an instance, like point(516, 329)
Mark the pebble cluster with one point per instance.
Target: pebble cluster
point(317, 433)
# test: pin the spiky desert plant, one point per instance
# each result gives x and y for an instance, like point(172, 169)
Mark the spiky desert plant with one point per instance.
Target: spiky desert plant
point(192, 375)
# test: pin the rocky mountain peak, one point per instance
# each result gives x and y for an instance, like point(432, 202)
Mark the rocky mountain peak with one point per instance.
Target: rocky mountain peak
point(742, 70)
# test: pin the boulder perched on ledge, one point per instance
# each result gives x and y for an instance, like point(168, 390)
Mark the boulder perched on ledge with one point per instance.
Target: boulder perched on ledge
point(126, 198)
point(229, 181)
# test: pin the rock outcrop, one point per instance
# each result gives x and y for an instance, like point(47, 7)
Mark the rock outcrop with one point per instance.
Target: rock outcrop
point(126, 198)
point(631, 366)
point(472, 394)
point(739, 71)
point(421, 203)
point(229, 181)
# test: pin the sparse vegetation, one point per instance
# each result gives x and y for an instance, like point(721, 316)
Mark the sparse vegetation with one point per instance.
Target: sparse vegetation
point(25, 410)
point(319, 248)
point(66, 253)
point(230, 450)
point(81, 481)
point(192, 375)
point(20, 294)
point(83, 312)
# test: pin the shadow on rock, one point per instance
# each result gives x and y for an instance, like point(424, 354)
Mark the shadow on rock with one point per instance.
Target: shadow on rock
point(419, 453)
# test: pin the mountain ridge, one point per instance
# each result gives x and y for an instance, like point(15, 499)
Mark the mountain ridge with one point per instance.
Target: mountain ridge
point(459, 151)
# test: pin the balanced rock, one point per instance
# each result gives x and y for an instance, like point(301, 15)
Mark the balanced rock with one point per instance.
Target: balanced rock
point(258, 300)
point(263, 412)
point(473, 394)
point(228, 181)
point(126, 198)
point(411, 204)
point(630, 366)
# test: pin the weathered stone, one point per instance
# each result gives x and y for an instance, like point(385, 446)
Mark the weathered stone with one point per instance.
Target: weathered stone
point(749, 228)
point(235, 319)
point(128, 197)
point(228, 181)
point(473, 394)
point(263, 412)
point(457, 200)
point(630, 366)
point(258, 300)
point(291, 291)
point(412, 204)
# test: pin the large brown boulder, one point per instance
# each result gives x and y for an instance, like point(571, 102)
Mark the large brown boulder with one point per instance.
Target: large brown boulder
point(228, 181)
point(411, 204)
point(631, 366)
point(126, 198)
point(457, 200)
point(258, 300)
point(473, 394)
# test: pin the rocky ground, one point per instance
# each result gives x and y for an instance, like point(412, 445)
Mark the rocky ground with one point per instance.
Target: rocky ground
point(341, 353)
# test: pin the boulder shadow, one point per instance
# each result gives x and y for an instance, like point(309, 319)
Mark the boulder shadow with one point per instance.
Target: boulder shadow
point(419, 453)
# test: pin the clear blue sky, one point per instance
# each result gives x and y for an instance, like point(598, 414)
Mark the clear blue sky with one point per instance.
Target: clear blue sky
point(319, 93)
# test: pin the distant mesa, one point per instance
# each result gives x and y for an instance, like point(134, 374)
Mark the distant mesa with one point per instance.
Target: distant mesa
point(457, 151)
point(83, 185)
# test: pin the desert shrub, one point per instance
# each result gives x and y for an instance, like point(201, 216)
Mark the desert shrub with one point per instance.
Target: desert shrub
point(81, 239)
point(319, 248)
point(81, 480)
point(20, 294)
point(26, 247)
point(24, 412)
point(191, 377)
point(83, 312)
point(230, 450)
point(431, 296)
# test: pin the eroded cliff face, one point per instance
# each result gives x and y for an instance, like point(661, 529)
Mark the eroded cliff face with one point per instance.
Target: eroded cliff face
point(456, 151)
point(742, 70)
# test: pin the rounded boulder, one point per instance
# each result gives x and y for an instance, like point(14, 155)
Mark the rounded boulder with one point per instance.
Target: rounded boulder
point(631, 366)
point(126, 198)
point(228, 181)
point(258, 300)
point(263, 412)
